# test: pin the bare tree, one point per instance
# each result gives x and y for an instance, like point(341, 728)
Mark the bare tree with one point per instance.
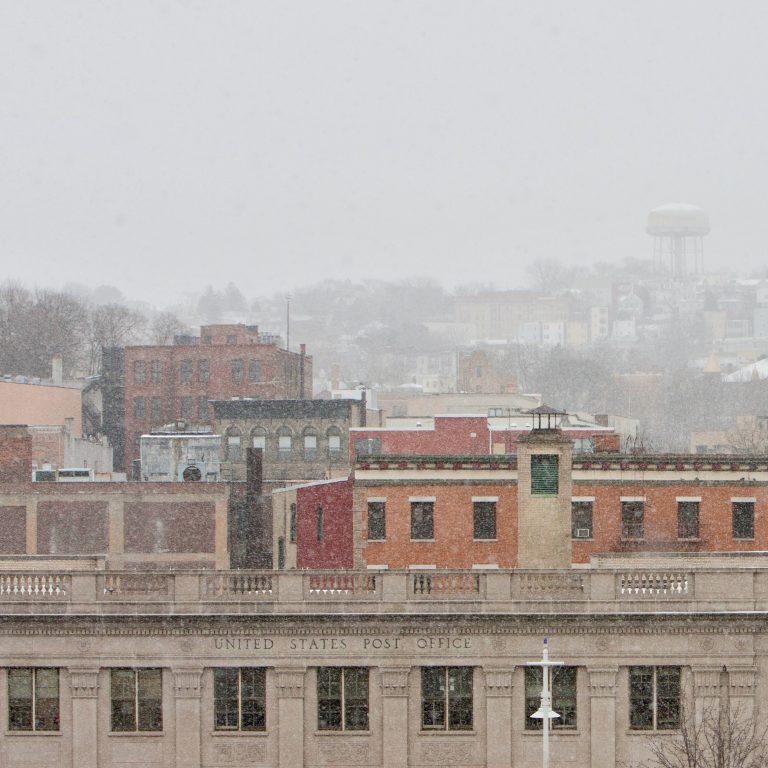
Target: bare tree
point(165, 325)
point(112, 325)
point(719, 738)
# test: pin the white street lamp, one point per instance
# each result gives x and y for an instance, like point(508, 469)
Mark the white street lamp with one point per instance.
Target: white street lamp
point(545, 712)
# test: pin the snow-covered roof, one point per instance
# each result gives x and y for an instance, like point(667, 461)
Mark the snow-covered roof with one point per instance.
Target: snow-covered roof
point(752, 372)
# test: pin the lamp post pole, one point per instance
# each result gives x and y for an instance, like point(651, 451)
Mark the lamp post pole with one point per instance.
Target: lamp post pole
point(544, 711)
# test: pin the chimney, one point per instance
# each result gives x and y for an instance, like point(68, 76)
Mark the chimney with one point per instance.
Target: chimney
point(57, 369)
point(303, 353)
point(363, 408)
point(335, 376)
point(602, 419)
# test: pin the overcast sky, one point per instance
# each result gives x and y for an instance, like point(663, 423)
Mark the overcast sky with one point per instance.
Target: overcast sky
point(160, 146)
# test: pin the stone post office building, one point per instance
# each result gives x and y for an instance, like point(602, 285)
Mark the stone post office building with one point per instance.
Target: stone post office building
point(110, 667)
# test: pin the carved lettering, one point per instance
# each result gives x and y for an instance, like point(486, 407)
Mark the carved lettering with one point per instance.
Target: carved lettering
point(318, 644)
point(243, 643)
point(443, 643)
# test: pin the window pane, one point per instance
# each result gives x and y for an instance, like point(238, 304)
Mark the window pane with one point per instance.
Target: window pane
point(150, 700)
point(46, 699)
point(356, 699)
point(186, 371)
point(484, 519)
point(123, 699)
point(544, 474)
point(202, 371)
point(253, 699)
point(293, 524)
point(641, 698)
point(376, 521)
point(667, 698)
point(20, 699)
point(225, 699)
point(433, 697)
point(254, 370)
point(422, 520)
point(460, 698)
point(743, 520)
point(581, 519)
point(237, 371)
point(632, 514)
point(688, 519)
point(329, 699)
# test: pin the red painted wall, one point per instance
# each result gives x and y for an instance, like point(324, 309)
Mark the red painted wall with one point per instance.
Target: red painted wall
point(335, 548)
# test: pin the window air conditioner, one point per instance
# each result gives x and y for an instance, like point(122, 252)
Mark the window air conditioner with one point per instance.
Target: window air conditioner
point(583, 533)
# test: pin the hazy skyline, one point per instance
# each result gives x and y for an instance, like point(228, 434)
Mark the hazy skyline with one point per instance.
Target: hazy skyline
point(160, 146)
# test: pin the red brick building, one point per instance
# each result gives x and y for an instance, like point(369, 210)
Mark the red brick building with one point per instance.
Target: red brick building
point(473, 511)
point(175, 382)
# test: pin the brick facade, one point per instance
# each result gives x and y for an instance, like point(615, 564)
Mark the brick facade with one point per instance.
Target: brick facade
point(175, 382)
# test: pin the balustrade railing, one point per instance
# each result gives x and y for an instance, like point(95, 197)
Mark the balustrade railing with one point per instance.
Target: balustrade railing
point(341, 584)
point(422, 584)
point(137, 585)
point(27, 586)
point(238, 584)
point(654, 584)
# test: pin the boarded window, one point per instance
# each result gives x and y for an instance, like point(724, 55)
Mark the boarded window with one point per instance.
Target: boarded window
point(544, 474)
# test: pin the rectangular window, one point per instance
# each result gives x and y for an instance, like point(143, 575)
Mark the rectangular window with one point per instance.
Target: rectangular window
point(342, 699)
point(320, 523)
point(563, 690)
point(688, 519)
point(232, 339)
point(743, 519)
point(292, 525)
point(334, 444)
point(254, 370)
point(654, 698)
point(33, 699)
point(446, 698)
point(237, 371)
point(284, 446)
point(138, 408)
point(186, 407)
point(484, 514)
point(139, 372)
point(185, 371)
point(157, 410)
point(260, 441)
point(156, 371)
point(422, 519)
point(136, 699)
point(239, 699)
point(368, 446)
point(581, 519)
point(310, 446)
point(544, 474)
point(632, 517)
point(202, 407)
point(377, 529)
point(203, 371)
point(233, 448)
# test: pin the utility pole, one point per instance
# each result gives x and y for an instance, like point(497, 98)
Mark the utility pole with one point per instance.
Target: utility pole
point(544, 712)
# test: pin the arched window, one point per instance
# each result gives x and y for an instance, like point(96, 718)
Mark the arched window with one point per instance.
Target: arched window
point(310, 443)
point(284, 442)
point(259, 438)
point(232, 444)
point(333, 435)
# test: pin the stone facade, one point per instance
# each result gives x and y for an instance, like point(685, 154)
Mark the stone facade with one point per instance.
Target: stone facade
point(294, 624)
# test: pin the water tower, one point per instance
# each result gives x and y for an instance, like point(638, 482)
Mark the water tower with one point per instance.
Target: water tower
point(678, 237)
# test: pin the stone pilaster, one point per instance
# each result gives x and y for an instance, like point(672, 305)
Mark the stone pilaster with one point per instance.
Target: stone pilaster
point(742, 682)
point(602, 716)
point(290, 715)
point(498, 703)
point(707, 690)
point(394, 700)
point(189, 726)
point(84, 689)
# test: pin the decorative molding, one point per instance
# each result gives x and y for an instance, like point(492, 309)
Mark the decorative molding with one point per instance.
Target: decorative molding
point(241, 754)
point(602, 681)
point(436, 753)
point(186, 683)
point(338, 753)
point(394, 681)
point(706, 681)
point(742, 681)
point(498, 682)
point(84, 683)
point(290, 683)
